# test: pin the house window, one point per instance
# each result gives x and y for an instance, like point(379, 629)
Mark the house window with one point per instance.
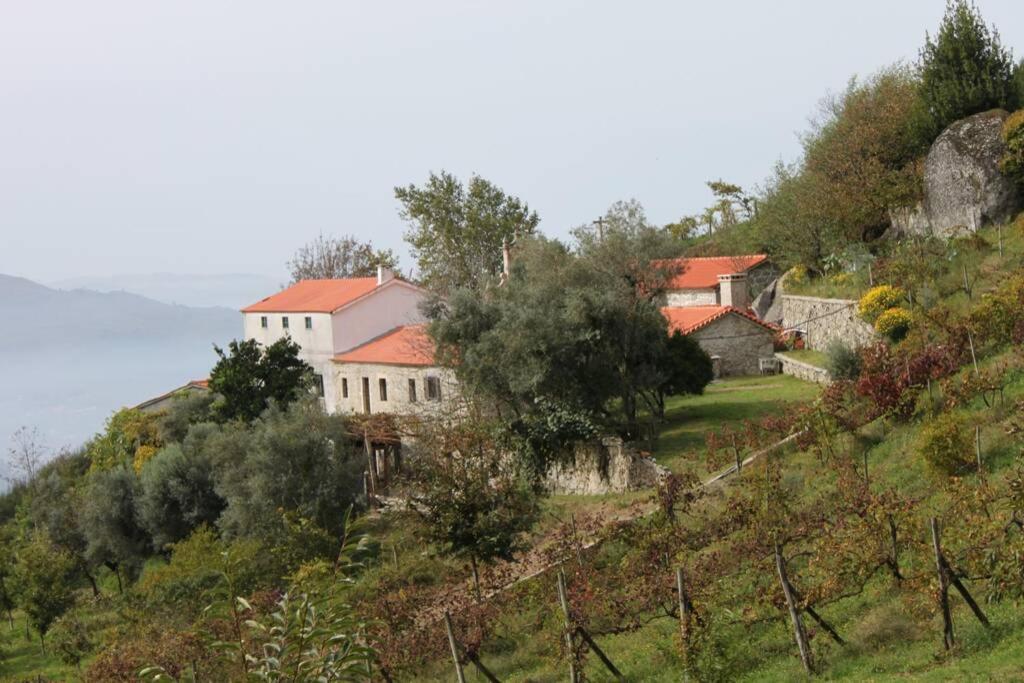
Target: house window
point(264, 322)
point(318, 384)
point(412, 390)
point(344, 387)
point(433, 389)
point(284, 322)
point(309, 322)
point(383, 389)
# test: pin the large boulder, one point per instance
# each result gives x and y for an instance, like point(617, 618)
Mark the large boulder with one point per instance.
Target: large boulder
point(963, 188)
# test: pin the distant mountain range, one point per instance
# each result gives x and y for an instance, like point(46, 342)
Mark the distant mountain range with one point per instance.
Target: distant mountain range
point(68, 359)
point(230, 291)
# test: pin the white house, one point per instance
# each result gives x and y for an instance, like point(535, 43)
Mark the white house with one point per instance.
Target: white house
point(329, 317)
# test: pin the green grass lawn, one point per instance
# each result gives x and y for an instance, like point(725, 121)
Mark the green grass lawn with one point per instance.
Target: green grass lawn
point(725, 402)
point(21, 655)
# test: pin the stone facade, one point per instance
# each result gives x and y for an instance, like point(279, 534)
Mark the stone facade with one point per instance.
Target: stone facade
point(608, 466)
point(349, 382)
point(739, 342)
point(822, 320)
point(804, 371)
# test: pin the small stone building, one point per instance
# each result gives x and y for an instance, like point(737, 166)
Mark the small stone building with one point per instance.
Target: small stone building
point(718, 280)
point(392, 373)
point(735, 339)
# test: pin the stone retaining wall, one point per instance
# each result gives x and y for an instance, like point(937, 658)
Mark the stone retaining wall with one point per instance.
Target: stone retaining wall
point(823, 320)
point(804, 371)
point(608, 466)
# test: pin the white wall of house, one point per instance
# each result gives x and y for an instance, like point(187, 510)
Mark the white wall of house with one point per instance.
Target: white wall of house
point(692, 297)
point(393, 305)
point(316, 343)
point(398, 397)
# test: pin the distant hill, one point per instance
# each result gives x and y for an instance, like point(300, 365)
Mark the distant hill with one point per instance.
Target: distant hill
point(230, 291)
point(70, 358)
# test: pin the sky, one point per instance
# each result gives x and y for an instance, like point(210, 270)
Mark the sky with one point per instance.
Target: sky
point(207, 136)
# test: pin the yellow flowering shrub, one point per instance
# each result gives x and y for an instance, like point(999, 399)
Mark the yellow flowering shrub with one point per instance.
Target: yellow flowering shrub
point(1012, 163)
point(143, 454)
point(797, 275)
point(894, 323)
point(878, 300)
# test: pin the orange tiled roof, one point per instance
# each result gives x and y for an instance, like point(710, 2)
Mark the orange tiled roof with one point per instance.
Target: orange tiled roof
point(687, 319)
point(315, 296)
point(200, 383)
point(702, 272)
point(406, 345)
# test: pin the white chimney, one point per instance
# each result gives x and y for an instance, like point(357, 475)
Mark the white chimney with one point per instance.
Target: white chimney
point(383, 275)
point(732, 290)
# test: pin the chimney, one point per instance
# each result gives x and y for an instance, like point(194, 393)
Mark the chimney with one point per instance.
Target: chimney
point(383, 275)
point(732, 291)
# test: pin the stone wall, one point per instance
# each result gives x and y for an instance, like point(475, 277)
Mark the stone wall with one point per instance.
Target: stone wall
point(804, 371)
point(608, 466)
point(739, 342)
point(822, 320)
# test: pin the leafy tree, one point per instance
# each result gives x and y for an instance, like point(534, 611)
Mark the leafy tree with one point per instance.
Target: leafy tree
point(842, 361)
point(688, 369)
point(55, 510)
point(327, 258)
point(7, 578)
point(187, 409)
point(965, 69)
point(249, 377)
point(473, 501)
point(583, 331)
point(456, 231)
point(126, 433)
point(178, 492)
point(44, 576)
point(110, 522)
point(70, 638)
point(298, 460)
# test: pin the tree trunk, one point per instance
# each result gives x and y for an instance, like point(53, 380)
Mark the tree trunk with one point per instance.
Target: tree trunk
point(947, 617)
point(476, 578)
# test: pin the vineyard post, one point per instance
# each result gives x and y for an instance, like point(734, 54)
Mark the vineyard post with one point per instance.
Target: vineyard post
point(684, 612)
point(974, 357)
point(569, 641)
point(454, 646)
point(736, 453)
point(576, 541)
point(895, 550)
point(794, 612)
point(947, 617)
point(977, 446)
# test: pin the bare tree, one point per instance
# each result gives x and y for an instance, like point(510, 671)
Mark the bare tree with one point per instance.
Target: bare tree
point(25, 455)
point(338, 257)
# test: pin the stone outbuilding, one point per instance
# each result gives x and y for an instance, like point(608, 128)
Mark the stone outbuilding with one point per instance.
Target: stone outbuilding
point(735, 339)
point(718, 280)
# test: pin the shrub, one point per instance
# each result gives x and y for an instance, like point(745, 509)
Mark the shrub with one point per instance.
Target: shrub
point(842, 361)
point(1012, 163)
point(894, 323)
point(999, 317)
point(879, 299)
point(885, 625)
point(944, 443)
point(70, 639)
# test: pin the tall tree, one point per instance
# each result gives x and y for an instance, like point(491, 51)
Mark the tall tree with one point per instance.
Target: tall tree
point(965, 69)
point(456, 231)
point(327, 258)
point(250, 376)
point(44, 576)
point(109, 519)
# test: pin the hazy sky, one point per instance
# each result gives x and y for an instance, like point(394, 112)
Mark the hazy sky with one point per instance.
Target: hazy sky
point(208, 136)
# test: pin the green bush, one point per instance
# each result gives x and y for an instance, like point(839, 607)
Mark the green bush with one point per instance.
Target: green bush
point(945, 444)
point(1012, 163)
point(842, 362)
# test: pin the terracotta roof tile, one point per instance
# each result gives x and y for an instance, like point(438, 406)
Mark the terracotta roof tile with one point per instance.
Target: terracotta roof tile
point(315, 296)
point(703, 272)
point(692, 318)
point(406, 345)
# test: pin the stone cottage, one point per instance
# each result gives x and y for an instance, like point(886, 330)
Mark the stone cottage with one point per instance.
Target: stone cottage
point(735, 339)
point(718, 280)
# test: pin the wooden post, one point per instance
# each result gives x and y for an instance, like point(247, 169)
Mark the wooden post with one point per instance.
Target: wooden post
point(871, 276)
point(967, 285)
point(569, 641)
point(999, 231)
point(599, 652)
point(794, 612)
point(576, 541)
point(974, 358)
point(965, 594)
point(895, 551)
point(736, 452)
point(371, 465)
point(483, 669)
point(454, 646)
point(866, 481)
point(684, 614)
point(394, 555)
point(977, 447)
point(947, 617)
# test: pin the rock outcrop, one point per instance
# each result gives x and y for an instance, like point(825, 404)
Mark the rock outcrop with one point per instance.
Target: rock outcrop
point(963, 187)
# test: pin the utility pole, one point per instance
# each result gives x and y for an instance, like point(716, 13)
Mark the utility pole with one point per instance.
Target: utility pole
point(600, 229)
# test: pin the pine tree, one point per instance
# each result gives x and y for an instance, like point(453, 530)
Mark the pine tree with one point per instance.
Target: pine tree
point(965, 69)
